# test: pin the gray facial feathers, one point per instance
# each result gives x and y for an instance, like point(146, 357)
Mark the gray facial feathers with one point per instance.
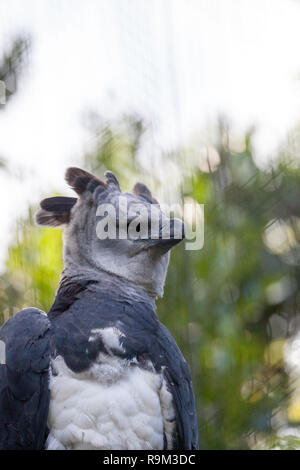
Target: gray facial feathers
point(141, 262)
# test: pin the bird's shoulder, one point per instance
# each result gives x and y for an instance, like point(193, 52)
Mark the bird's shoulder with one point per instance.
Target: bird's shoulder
point(96, 322)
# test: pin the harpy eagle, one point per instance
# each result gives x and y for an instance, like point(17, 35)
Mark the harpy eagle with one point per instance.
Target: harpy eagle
point(99, 371)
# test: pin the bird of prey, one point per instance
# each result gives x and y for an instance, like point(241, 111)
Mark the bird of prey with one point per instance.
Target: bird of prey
point(99, 371)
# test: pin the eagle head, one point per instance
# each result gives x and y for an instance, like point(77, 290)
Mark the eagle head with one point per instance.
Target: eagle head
point(106, 230)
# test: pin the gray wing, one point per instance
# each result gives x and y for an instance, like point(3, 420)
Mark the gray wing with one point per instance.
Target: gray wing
point(24, 380)
point(179, 382)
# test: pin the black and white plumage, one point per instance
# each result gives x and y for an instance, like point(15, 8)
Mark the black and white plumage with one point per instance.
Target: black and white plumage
point(99, 371)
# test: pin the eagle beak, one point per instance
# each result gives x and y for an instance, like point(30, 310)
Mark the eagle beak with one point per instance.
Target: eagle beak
point(171, 234)
point(177, 229)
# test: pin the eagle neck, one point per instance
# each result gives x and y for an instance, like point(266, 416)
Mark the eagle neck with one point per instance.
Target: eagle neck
point(71, 288)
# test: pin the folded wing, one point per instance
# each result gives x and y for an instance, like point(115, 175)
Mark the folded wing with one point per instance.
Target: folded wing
point(24, 380)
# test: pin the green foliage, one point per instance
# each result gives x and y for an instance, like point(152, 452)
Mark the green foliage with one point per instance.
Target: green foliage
point(230, 305)
point(33, 267)
point(219, 298)
point(116, 146)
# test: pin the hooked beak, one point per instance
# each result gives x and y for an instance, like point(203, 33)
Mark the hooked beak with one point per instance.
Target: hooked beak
point(173, 232)
point(169, 235)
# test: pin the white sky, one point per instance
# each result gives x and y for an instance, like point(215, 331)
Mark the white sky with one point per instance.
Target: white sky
point(178, 62)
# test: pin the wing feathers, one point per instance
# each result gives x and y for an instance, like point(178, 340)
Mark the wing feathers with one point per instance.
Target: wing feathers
point(24, 381)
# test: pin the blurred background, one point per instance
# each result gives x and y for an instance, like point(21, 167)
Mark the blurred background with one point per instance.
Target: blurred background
point(199, 99)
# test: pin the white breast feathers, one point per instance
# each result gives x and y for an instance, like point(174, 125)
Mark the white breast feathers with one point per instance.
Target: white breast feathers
point(114, 405)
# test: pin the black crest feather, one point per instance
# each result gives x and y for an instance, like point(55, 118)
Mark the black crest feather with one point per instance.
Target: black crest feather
point(81, 180)
point(55, 211)
point(140, 189)
point(112, 181)
point(58, 204)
